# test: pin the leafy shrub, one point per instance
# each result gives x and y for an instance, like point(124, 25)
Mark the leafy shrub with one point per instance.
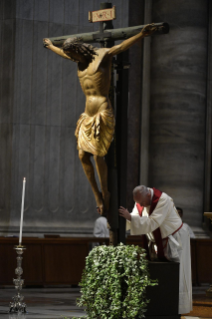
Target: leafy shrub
point(114, 282)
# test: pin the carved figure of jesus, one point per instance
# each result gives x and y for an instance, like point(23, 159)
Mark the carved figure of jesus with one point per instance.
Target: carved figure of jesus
point(95, 127)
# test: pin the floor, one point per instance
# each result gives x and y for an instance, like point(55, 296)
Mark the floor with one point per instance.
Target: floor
point(43, 303)
point(54, 303)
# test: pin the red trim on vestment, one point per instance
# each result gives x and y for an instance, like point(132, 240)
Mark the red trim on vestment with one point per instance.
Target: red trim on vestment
point(172, 235)
point(156, 232)
point(140, 209)
point(177, 229)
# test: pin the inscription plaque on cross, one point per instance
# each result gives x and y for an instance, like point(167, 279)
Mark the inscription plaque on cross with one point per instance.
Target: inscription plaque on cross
point(102, 16)
point(96, 126)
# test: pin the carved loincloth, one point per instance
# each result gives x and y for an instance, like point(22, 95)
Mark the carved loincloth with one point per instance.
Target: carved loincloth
point(95, 133)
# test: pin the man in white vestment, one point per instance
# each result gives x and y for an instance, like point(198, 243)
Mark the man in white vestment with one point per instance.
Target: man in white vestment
point(155, 214)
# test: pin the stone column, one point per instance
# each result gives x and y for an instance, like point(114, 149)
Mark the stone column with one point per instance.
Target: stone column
point(7, 64)
point(145, 110)
point(208, 129)
point(208, 135)
point(136, 14)
point(178, 104)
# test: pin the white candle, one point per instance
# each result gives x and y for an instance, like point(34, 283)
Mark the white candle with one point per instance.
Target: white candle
point(22, 211)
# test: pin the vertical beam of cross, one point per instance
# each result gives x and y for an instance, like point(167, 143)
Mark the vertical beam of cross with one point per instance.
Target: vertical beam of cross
point(116, 158)
point(111, 157)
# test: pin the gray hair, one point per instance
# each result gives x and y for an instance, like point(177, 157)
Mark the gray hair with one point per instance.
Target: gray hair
point(141, 189)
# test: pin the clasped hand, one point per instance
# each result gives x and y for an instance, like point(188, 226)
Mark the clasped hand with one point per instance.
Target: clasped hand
point(123, 212)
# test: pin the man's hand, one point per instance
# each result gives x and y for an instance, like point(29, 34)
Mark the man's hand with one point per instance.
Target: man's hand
point(47, 42)
point(149, 29)
point(123, 212)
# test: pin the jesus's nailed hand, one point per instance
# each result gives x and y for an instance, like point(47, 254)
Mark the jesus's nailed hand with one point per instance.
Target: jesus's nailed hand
point(123, 212)
point(46, 42)
point(149, 29)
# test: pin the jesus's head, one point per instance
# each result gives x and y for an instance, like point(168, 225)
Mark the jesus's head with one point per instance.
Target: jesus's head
point(142, 195)
point(78, 51)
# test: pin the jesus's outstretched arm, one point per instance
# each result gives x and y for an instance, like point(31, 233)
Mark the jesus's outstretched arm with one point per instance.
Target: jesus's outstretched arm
point(125, 45)
point(59, 51)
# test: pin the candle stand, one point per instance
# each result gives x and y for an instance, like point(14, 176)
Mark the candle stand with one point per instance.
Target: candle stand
point(17, 305)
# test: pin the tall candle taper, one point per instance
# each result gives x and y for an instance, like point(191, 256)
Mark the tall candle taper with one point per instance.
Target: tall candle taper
point(22, 211)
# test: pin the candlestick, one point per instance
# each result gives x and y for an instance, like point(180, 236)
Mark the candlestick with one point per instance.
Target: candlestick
point(17, 305)
point(22, 211)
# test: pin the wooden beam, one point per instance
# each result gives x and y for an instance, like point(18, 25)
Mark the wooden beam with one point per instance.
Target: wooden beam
point(113, 34)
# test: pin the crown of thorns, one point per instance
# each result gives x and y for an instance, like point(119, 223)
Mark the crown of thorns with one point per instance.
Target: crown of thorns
point(77, 45)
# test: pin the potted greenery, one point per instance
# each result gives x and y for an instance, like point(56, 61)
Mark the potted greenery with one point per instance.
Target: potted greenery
point(114, 283)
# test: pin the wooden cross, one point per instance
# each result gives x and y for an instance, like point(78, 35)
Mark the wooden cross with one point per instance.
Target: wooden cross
point(106, 37)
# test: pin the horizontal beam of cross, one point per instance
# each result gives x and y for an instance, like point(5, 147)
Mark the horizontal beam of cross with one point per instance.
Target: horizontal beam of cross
point(113, 34)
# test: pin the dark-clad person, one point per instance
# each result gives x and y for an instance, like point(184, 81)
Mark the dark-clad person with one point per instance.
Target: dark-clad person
point(155, 213)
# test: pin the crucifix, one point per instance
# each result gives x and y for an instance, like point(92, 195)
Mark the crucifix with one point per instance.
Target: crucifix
point(95, 130)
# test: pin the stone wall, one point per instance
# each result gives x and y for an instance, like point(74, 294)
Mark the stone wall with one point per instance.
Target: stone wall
point(7, 65)
point(178, 104)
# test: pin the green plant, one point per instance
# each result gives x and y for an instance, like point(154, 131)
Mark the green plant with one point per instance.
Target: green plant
point(114, 283)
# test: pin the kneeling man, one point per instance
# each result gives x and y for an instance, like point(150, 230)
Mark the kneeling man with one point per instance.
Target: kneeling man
point(155, 214)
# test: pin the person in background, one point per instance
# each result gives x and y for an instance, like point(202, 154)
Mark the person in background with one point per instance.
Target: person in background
point(100, 226)
point(180, 212)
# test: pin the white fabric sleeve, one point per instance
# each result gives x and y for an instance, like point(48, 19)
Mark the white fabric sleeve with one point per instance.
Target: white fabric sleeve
point(134, 212)
point(191, 232)
point(147, 224)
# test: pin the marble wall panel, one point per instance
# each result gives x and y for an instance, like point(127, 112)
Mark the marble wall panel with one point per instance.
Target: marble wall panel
point(53, 167)
point(136, 17)
point(8, 9)
point(7, 39)
point(208, 130)
point(178, 101)
point(71, 14)
point(69, 162)
point(38, 165)
point(1, 10)
point(56, 11)
point(25, 9)
point(39, 75)
point(83, 12)
point(24, 103)
point(41, 10)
